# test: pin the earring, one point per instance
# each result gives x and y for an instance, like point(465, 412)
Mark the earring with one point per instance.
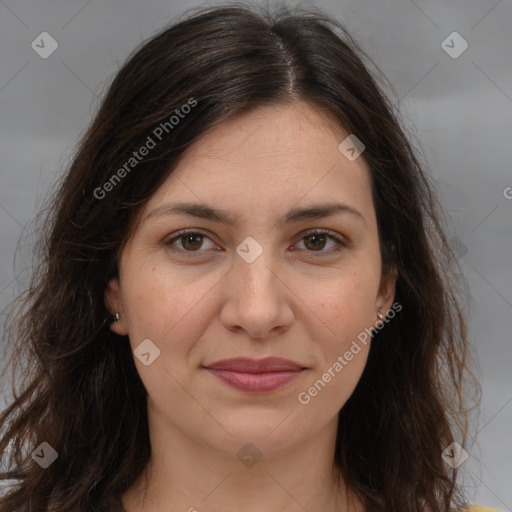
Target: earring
point(380, 315)
point(116, 317)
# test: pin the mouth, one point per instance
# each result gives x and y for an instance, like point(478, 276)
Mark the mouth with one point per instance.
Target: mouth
point(256, 376)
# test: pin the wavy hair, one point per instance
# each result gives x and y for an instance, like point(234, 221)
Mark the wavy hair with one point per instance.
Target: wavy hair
point(75, 384)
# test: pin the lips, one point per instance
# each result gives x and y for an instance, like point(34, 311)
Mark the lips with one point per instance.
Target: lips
point(246, 365)
point(256, 376)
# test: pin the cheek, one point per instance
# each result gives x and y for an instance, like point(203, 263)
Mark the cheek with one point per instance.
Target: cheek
point(343, 305)
point(169, 307)
point(340, 313)
point(172, 310)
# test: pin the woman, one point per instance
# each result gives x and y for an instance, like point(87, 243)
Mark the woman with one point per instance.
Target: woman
point(244, 298)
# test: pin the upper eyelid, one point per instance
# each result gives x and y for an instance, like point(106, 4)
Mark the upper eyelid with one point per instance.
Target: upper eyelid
point(174, 236)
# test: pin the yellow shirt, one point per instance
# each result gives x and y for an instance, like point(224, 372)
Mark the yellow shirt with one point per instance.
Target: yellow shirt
point(479, 508)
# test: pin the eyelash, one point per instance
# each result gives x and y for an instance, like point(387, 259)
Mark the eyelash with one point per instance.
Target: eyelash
point(341, 245)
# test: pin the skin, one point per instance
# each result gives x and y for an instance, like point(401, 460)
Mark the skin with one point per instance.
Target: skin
point(298, 300)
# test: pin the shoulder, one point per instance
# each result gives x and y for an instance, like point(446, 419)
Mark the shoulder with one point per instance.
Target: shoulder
point(480, 508)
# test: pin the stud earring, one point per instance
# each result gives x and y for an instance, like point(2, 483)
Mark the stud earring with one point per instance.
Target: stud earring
point(116, 317)
point(381, 316)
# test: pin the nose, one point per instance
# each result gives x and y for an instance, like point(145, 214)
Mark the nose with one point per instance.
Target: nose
point(258, 301)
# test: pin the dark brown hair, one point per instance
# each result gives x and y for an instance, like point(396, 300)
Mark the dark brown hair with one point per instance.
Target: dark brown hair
point(80, 390)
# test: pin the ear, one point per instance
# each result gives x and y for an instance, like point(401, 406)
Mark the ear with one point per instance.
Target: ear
point(114, 304)
point(387, 289)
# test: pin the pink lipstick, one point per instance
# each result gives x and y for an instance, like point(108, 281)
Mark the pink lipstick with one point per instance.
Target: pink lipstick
point(256, 376)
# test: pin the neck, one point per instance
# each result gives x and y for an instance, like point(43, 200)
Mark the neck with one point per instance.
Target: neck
point(188, 476)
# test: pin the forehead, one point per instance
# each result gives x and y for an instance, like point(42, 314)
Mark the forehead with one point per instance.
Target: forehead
point(270, 157)
point(283, 134)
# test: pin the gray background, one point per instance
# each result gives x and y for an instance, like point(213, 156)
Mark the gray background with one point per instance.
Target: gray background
point(458, 110)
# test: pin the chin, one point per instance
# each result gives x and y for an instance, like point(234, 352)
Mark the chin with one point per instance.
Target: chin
point(269, 435)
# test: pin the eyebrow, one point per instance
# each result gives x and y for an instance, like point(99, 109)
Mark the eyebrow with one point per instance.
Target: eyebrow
point(294, 215)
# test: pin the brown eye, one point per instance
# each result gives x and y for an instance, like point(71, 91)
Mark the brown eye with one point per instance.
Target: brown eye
point(317, 241)
point(192, 241)
point(322, 242)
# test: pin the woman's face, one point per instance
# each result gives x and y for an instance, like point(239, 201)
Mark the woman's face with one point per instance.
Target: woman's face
point(251, 280)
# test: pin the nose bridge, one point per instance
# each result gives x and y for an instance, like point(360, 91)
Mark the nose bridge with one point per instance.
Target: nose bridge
point(254, 266)
point(258, 302)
